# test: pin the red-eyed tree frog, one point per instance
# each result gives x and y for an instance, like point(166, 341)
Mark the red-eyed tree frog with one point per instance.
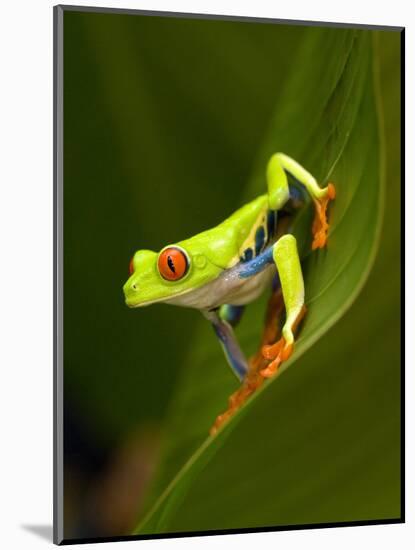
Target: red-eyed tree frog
point(222, 269)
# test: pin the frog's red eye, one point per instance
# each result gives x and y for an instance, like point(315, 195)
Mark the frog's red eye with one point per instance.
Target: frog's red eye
point(131, 266)
point(173, 263)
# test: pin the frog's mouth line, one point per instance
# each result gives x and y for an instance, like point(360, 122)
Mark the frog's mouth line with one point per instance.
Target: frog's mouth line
point(157, 300)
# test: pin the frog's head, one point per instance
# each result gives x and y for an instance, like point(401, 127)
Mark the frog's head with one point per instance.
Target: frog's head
point(174, 271)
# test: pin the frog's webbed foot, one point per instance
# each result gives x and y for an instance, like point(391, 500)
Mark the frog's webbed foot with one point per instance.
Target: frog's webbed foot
point(277, 353)
point(236, 400)
point(280, 351)
point(253, 379)
point(320, 224)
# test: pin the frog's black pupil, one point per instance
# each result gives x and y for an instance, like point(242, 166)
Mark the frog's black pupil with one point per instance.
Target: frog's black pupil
point(170, 263)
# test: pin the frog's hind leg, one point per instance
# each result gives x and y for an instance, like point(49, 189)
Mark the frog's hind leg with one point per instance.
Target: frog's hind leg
point(286, 258)
point(278, 191)
point(270, 334)
point(226, 336)
point(231, 314)
point(253, 379)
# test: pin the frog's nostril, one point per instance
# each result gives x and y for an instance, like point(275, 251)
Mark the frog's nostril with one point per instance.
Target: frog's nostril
point(134, 287)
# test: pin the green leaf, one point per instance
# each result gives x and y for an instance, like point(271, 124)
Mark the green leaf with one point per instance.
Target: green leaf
point(314, 443)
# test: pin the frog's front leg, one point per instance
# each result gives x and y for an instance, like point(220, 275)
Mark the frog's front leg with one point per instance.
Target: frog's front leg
point(227, 338)
point(285, 255)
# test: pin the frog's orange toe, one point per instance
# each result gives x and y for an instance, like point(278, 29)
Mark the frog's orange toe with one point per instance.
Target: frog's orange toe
point(278, 353)
point(319, 241)
point(331, 191)
point(320, 224)
point(271, 352)
point(251, 383)
point(219, 420)
point(271, 369)
point(287, 352)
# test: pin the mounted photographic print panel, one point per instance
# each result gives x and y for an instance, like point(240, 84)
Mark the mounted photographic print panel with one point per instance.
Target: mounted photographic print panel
point(228, 250)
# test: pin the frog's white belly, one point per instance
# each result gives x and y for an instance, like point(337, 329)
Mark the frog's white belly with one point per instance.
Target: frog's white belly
point(228, 288)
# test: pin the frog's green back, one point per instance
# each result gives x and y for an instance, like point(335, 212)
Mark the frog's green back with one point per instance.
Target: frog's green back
point(223, 244)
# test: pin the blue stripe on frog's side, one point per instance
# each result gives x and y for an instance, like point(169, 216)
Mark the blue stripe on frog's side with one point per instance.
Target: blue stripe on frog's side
point(267, 231)
point(257, 264)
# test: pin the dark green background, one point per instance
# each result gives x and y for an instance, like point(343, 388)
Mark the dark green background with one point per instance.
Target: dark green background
point(160, 139)
point(163, 119)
